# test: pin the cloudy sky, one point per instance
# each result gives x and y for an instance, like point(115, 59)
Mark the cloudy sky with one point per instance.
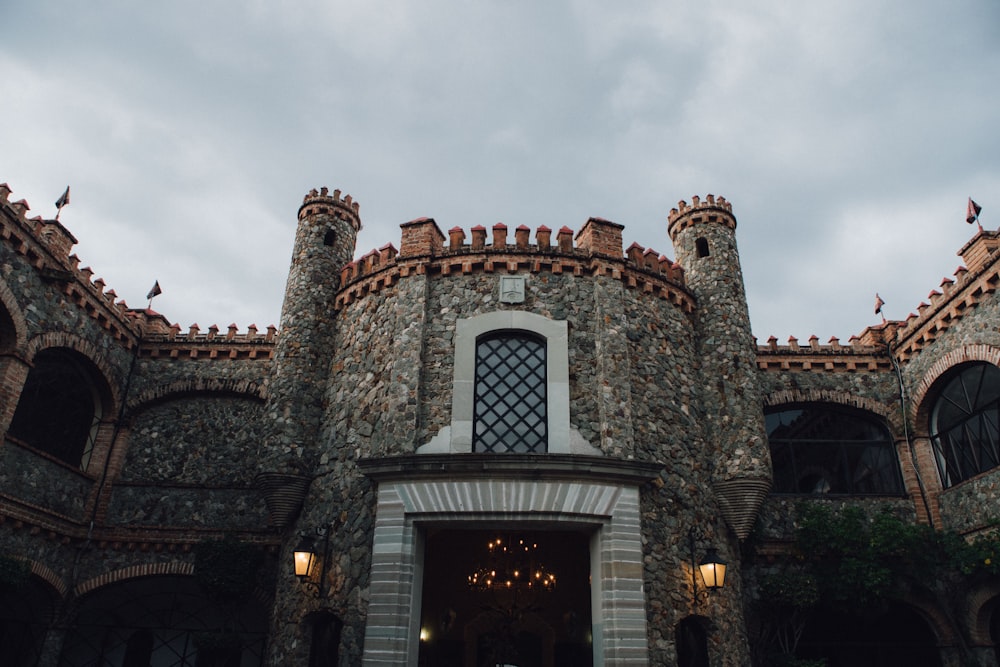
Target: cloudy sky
point(848, 134)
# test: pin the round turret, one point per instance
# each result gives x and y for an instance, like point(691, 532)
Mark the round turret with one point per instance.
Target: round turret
point(324, 243)
point(704, 238)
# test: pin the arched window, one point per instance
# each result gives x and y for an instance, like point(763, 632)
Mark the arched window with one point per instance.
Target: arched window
point(831, 449)
point(164, 620)
point(701, 245)
point(965, 423)
point(510, 406)
point(62, 383)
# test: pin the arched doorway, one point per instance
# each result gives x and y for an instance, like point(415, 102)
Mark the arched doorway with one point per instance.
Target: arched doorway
point(164, 621)
point(470, 625)
point(25, 615)
point(897, 637)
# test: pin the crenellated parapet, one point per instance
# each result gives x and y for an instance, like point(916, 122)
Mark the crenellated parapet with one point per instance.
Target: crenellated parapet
point(861, 354)
point(713, 209)
point(943, 308)
point(322, 202)
point(47, 246)
point(171, 342)
point(596, 250)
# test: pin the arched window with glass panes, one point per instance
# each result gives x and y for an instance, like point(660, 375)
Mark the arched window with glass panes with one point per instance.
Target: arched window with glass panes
point(510, 402)
point(965, 423)
point(831, 449)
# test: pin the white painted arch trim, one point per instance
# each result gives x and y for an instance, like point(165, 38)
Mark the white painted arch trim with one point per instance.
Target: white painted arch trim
point(556, 335)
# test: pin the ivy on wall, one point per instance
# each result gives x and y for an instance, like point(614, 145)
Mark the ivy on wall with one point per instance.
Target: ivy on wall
point(849, 560)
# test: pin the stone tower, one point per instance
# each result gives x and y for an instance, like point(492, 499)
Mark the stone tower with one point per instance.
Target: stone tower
point(324, 242)
point(704, 238)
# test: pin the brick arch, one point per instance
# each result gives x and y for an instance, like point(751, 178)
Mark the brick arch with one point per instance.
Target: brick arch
point(133, 572)
point(977, 612)
point(71, 341)
point(944, 630)
point(20, 326)
point(922, 394)
point(48, 575)
point(243, 388)
point(837, 397)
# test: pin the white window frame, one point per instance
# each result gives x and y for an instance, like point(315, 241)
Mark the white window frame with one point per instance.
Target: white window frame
point(555, 334)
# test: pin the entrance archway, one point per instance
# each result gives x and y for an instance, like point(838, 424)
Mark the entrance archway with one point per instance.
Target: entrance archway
point(472, 625)
point(897, 637)
point(582, 494)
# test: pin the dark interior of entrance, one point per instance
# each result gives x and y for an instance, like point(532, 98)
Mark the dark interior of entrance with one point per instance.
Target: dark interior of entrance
point(466, 626)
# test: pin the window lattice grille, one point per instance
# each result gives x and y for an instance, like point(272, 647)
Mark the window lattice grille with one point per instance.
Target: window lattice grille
point(510, 395)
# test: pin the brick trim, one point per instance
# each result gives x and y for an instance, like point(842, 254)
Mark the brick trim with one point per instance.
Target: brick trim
point(837, 397)
point(54, 339)
point(133, 572)
point(9, 303)
point(242, 388)
point(921, 395)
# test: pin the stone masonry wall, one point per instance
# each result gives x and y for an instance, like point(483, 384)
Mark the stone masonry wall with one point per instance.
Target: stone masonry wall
point(189, 462)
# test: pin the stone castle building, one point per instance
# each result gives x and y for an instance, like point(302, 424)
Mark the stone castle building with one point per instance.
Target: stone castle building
point(604, 410)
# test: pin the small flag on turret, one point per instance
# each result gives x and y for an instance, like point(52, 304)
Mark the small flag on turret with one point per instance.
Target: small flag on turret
point(972, 212)
point(62, 201)
point(154, 291)
point(878, 303)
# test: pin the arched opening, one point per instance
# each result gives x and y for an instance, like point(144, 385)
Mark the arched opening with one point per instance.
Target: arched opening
point(325, 648)
point(8, 332)
point(692, 642)
point(330, 237)
point(509, 621)
point(701, 246)
point(964, 422)
point(821, 448)
point(995, 631)
point(897, 637)
point(164, 621)
point(65, 383)
point(25, 615)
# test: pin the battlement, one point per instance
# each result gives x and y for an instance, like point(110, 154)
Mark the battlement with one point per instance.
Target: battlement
point(944, 307)
point(46, 245)
point(862, 353)
point(713, 209)
point(321, 202)
point(595, 250)
point(170, 341)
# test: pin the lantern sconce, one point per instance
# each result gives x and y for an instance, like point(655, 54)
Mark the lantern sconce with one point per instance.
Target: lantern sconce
point(311, 557)
point(712, 569)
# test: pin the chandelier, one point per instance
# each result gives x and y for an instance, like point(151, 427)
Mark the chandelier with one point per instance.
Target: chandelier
point(512, 565)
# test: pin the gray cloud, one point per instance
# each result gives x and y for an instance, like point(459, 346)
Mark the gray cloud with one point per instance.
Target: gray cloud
point(847, 135)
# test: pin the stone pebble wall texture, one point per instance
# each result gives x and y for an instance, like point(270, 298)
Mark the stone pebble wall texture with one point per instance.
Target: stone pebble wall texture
point(190, 463)
point(726, 347)
point(324, 242)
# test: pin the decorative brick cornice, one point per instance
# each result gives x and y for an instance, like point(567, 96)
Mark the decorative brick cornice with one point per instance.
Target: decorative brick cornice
point(713, 209)
point(170, 343)
point(45, 244)
point(643, 270)
point(833, 357)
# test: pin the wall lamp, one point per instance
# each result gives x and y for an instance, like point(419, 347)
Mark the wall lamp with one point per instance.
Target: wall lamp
point(711, 567)
point(312, 555)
